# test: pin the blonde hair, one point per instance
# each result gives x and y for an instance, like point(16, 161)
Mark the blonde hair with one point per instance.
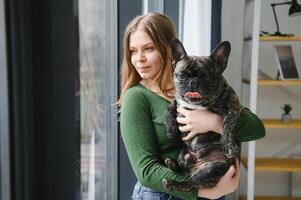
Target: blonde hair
point(161, 30)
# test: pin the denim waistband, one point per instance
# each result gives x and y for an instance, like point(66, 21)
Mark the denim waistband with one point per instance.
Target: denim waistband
point(143, 193)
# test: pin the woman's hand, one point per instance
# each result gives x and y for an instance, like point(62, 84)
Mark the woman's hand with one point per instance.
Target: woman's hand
point(227, 184)
point(198, 121)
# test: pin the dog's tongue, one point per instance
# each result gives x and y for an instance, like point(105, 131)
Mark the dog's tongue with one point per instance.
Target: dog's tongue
point(193, 95)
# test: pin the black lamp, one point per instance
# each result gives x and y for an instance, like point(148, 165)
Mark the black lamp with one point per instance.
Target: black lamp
point(294, 10)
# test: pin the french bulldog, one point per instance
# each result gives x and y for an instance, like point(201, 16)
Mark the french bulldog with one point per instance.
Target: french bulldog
point(200, 85)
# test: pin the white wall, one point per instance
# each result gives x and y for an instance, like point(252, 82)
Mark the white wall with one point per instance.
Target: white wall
point(280, 143)
point(197, 27)
point(232, 30)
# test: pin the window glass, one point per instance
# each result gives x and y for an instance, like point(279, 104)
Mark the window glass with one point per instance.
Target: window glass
point(97, 93)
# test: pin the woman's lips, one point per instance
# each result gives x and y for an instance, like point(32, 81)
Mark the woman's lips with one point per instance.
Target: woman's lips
point(143, 68)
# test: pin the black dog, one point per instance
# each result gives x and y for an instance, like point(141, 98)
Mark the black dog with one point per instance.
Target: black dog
point(200, 85)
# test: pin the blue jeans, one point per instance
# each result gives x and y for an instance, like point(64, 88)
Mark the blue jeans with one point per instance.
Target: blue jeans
point(143, 193)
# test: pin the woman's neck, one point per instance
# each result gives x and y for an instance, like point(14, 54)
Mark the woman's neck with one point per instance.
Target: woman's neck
point(154, 87)
point(149, 84)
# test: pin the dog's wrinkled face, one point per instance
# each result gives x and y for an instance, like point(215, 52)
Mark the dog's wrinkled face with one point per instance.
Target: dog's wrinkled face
point(199, 79)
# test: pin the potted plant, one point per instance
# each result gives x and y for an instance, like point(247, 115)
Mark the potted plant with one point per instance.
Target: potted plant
point(286, 116)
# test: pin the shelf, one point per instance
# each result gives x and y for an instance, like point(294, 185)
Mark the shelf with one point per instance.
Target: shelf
point(275, 38)
point(277, 123)
point(278, 82)
point(280, 38)
point(271, 198)
point(276, 164)
point(252, 45)
point(262, 82)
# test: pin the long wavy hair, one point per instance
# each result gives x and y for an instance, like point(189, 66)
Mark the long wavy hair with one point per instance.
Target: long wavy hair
point(161, 30)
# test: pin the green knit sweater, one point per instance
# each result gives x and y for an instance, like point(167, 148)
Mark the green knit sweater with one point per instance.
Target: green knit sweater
point(142, 129)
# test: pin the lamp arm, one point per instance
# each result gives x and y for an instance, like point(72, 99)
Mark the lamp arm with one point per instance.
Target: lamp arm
point(275, 16)
point(295, 8)
point(283, 3)
point(277, 25)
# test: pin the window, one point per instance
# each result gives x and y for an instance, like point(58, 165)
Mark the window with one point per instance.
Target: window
point(97, 94)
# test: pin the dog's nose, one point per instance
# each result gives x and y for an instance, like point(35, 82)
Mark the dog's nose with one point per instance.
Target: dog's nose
point(192, 83)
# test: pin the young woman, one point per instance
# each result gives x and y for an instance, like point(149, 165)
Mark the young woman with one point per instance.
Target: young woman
point(146, 91)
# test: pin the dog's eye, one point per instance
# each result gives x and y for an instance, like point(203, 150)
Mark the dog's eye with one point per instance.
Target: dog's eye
point(180, 76)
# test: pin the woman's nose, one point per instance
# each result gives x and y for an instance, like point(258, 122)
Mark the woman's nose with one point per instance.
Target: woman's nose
point(141, 56)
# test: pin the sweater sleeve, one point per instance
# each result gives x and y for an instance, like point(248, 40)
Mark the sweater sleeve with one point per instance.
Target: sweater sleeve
point(142, 146)
point(249, 127)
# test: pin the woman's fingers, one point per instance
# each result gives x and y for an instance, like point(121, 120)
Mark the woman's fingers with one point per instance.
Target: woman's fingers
point(237, 168)
point(182, 120)
point(185, 128)
point(237, 163)
point(183, 111)
point(189, 136)
point(230, 172)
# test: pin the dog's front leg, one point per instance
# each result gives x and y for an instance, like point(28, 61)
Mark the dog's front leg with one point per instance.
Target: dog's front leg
point(230, 147)
point(184, 186)
point(170, 122)
point(172, 164)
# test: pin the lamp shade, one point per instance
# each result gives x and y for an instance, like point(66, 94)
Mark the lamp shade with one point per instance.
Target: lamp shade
point(295, 9)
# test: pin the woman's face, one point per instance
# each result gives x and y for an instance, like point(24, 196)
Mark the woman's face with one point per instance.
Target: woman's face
point(144, 55)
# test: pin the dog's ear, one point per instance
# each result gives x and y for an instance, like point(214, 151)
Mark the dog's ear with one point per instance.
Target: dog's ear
point(221, 54)
point(178, 51)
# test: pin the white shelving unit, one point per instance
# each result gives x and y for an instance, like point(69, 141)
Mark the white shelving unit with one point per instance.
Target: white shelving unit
point(250, 67)
point(253, 8)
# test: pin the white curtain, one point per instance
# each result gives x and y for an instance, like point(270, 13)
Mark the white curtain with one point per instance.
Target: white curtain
point(197, 27)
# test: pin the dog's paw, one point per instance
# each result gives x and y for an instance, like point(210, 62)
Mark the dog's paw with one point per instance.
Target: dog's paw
point(169, 163)
point(230, 149)
point(166, 184)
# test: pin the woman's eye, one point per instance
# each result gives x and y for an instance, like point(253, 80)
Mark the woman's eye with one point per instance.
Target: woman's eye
point(149, 48)
point(133, 51)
